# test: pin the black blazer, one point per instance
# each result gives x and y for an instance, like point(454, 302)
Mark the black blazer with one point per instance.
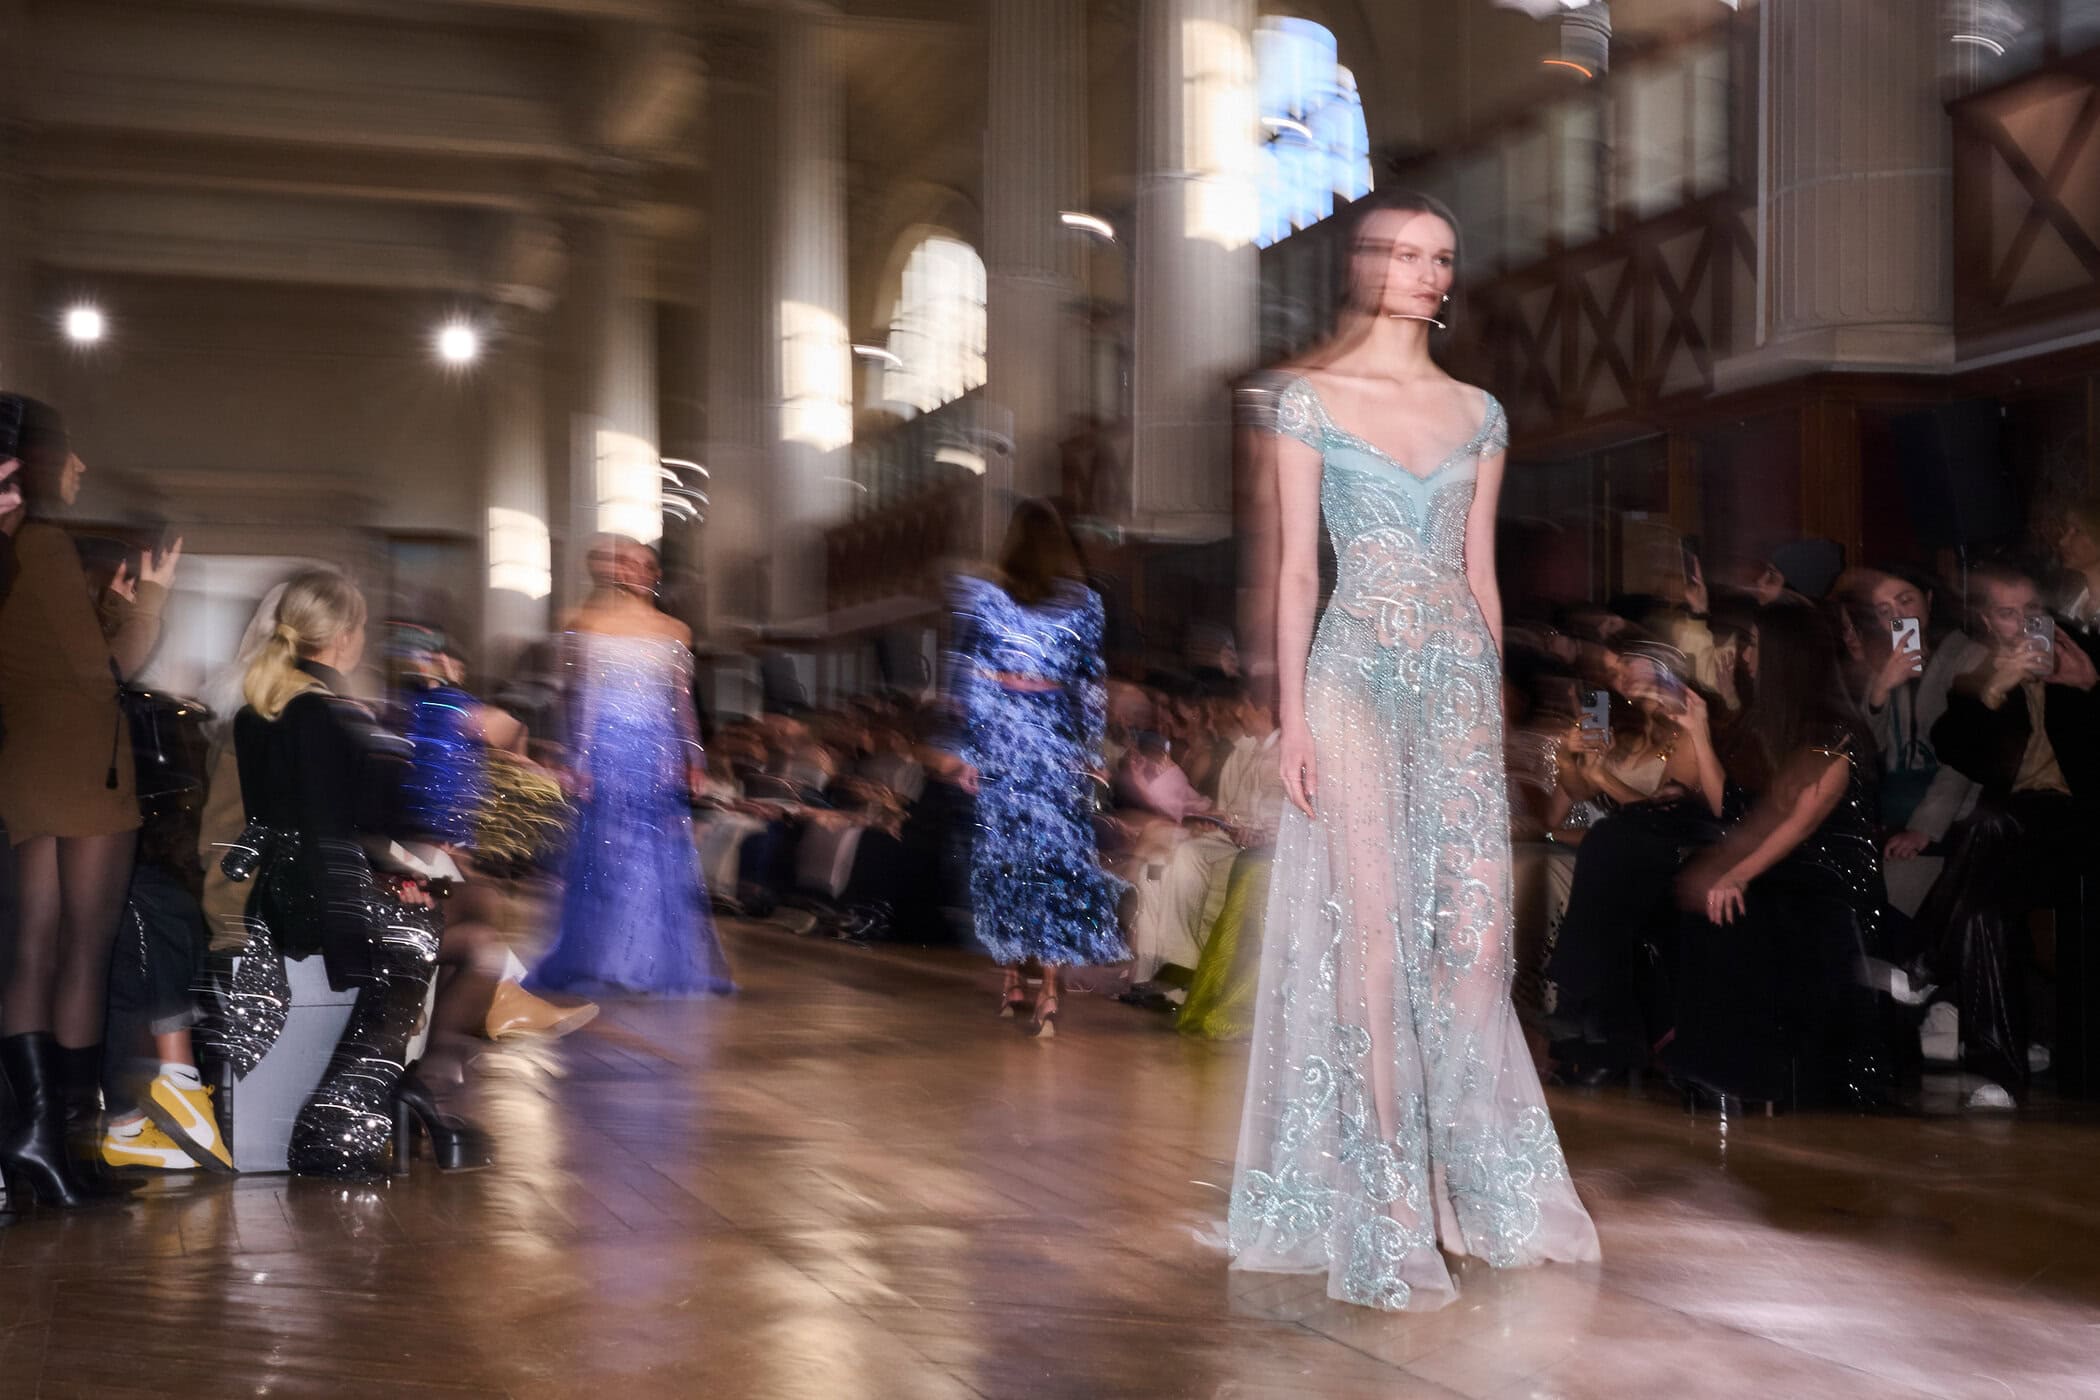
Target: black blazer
point(326, 775)
point(1986, 745)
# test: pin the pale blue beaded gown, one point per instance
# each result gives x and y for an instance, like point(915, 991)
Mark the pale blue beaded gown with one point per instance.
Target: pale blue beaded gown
point(1391, 1100)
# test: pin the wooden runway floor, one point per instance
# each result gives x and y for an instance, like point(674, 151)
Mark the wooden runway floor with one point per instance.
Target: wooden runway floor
point(853, 1181)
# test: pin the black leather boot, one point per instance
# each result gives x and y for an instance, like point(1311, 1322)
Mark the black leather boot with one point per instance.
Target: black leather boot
point(34, 1156)
point(10, 1204)
point(80, 1090)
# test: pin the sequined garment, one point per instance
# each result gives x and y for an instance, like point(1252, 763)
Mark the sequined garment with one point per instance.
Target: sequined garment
point(1036, 883)
point(1391, 1101)
point(445, 781)
point(634, 914)
point(346, 1127)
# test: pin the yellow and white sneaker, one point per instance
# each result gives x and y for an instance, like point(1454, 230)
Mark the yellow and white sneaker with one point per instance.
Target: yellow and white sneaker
point(149, 1147)
point(188, 1116)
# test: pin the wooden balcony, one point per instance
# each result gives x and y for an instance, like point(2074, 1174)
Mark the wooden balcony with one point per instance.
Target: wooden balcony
point(2027, 207)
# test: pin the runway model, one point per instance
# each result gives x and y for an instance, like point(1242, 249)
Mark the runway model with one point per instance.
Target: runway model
point(635, 914)
point(1025, 677)
point(1391, 1103)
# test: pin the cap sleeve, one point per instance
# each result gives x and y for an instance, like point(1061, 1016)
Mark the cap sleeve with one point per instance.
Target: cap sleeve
point(1494, 428)
point(1280, 403)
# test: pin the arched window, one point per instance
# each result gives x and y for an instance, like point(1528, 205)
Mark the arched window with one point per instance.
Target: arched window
point(1315, 144)
point(938, 332)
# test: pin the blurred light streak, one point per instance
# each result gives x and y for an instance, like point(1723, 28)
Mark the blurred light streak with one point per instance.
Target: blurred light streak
point(1088, 223)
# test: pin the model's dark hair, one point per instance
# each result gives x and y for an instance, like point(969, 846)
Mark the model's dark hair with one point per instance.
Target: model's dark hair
point(1040, 554)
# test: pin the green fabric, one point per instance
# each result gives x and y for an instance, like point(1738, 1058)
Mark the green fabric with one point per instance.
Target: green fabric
point(1221, 998)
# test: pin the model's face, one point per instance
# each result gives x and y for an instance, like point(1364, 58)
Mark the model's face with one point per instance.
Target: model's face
point(69, 478)
point(637, 569)
point(1405, 262)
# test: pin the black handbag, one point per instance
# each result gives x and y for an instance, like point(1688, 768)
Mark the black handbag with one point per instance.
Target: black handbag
point(167, 745)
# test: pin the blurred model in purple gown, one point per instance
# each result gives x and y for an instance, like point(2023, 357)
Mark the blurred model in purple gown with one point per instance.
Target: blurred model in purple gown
point(635, 914)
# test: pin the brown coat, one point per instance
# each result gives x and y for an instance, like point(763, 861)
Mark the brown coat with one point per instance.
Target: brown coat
point(65, 729)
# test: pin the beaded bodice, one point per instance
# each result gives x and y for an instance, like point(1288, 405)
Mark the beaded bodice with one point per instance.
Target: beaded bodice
point(1399, 535)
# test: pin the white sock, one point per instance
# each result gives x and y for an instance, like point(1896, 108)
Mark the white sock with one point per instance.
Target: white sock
point(183, 1076)
point(513, 970)
point(127, 1127)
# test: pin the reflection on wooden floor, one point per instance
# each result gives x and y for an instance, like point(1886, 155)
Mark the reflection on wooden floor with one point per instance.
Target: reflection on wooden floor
point(854, 1181)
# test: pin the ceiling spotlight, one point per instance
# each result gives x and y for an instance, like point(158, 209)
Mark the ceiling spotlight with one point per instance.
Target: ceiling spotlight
point(1088, 223)
point(84, 325)
point(458, 344)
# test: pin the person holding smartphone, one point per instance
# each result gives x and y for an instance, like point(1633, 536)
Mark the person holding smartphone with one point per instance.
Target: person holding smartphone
point(1908, 680)
point(2024, 725)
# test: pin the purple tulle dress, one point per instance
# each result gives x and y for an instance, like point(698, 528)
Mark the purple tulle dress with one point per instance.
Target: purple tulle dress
point(635, 914)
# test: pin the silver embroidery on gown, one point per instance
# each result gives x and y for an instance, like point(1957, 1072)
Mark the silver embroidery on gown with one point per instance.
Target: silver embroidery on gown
point(1391, 1100)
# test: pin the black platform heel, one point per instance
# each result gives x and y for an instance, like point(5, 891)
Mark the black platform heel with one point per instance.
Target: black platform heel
point(457, 1145)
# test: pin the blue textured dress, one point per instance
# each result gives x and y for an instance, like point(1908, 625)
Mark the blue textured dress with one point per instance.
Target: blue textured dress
point(1037, 887)
point(634, 915)
point(448, 769)
point(1392, 1106)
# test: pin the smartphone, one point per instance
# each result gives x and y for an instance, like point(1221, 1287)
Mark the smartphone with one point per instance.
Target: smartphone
point(2041, 634)
point(1595, 717)
point(1907, 636)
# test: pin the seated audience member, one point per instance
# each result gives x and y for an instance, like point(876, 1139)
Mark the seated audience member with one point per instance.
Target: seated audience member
point(1906, 681)
point(1610, 964)
point(2023, 723)
point(1181, 844)
point(1770, 1000)
point(2077, 594)
point(1220, 1003)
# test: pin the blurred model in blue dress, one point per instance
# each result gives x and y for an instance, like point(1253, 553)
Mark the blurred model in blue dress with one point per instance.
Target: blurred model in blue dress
point(634, 914)
point(1025, 677)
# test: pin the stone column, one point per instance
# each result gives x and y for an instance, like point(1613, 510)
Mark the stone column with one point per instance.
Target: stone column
point(743, 358)
point(1034, 169)
point(1857, 181)
point(1197, 275)
point(815, 425)
point(517, 531)
point(613, 481)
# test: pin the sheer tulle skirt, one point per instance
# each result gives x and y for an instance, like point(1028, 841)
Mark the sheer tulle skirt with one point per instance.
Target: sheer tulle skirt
point(1392, 1106)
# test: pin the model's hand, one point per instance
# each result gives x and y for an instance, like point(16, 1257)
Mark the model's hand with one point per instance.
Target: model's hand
point(1907, 845)
point(1295, 759)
